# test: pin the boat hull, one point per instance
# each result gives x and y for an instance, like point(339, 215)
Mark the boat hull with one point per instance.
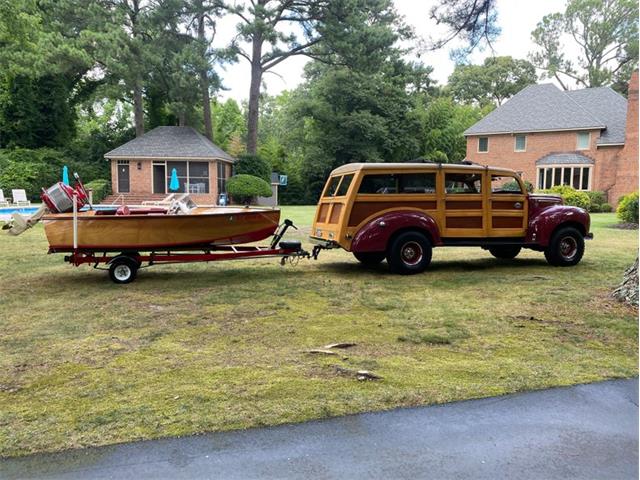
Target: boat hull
point(203, 226)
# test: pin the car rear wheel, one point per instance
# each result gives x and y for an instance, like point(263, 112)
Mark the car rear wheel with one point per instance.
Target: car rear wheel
point(566, 248)
point(369, 258)
point(409, 253)
point(506, 252)
point(123, 269)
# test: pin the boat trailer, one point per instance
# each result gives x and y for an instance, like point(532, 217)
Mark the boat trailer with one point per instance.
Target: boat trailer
point(123, 267)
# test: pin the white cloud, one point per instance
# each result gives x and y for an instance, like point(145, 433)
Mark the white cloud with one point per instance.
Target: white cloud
point(516, 18)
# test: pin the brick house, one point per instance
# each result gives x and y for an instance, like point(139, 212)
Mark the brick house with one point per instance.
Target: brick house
point(585, 138)
point(141, 168)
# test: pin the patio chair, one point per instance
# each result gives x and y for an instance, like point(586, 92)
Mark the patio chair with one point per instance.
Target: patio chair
point(3, 201)
point(20, 197)
point(165, 201)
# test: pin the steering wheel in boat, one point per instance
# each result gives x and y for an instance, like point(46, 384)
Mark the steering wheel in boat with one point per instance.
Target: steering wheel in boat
point(83, 195)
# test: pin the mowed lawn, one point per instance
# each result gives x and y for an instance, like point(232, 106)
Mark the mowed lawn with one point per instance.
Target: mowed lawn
point(201, 347)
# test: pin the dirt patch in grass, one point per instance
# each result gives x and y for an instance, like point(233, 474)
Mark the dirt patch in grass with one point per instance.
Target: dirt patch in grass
point(194, 348)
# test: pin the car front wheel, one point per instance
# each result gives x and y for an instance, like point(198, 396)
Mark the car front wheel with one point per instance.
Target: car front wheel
point(565, 248)
point(506, 252)
point(409, 253)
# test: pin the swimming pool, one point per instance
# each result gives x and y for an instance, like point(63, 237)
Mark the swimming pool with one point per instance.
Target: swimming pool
point(5, 212)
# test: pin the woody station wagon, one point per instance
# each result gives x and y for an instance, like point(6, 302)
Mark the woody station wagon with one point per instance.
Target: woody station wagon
point(400, 211)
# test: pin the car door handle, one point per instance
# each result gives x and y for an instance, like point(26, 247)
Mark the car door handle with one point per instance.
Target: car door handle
point(517, 205)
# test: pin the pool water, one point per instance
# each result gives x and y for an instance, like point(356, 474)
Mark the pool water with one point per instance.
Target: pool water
point(5, 212)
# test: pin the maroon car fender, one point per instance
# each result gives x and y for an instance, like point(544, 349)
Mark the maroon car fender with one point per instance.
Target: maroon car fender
point(374, 236)
point(545, 222)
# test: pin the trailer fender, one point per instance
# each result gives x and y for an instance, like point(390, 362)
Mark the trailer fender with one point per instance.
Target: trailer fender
point(374, 236)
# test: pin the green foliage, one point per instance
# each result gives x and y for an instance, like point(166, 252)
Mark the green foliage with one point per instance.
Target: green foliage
point(513, 186)
point(596, 200)
point(628, 208)
point(571, 196)
point(604, 32)
point(606, 208)
point(36, 112)
point(228, 121)
point(41, 168)
point(442, 123)
point(253, 165)
point(493, 82)
point(244, 188)
point(101, 188)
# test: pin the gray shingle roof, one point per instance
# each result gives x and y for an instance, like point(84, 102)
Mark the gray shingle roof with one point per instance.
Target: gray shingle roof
point(607, 105)
point(547, 108)
point(170, 142)
point(573, 158)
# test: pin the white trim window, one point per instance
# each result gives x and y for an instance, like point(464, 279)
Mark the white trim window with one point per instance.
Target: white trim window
point(576, 176)
point(222, 177)
point(520, 143)
point(483, 144)
point(583, 140)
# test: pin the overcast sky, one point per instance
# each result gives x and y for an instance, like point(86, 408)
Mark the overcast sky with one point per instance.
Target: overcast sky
point(516, 19)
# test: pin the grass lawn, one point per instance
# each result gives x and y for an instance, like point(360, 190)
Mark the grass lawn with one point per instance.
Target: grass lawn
point(196, 348)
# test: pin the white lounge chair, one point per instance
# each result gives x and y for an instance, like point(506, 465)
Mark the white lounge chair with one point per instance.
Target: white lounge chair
point(20, 197)
point(165, 201)
point(3, 201)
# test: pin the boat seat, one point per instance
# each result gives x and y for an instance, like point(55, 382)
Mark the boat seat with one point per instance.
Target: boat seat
point(291, 245)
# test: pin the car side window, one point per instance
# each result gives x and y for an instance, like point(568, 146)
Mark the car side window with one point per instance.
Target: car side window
point(330, 191)
point(415, 183)
point(505, 184)
point(455, 183)
point(344, 185)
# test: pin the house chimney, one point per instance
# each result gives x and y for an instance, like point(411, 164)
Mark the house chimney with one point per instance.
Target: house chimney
point(627, 171)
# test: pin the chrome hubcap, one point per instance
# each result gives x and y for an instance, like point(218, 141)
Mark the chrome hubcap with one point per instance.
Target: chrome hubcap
point(411, 253)
point(568, 248)
point(122, 272)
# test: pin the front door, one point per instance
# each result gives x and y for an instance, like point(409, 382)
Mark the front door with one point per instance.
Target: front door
point(508, 207)
point(159, 178)
point(123, 176)
point(464, 204)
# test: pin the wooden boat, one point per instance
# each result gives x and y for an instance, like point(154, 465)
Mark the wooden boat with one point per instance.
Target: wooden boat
point(156, 228)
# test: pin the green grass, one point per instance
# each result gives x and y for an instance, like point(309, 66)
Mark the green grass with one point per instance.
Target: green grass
point(195, 348)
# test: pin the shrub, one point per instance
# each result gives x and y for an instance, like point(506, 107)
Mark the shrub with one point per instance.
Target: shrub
point(101, 188)
point(253, 165)
point(597, 198)
point(513, 186)
point(606, 208)
point(628, 208)
point(244, 188)
point(571, 196)
point(595, 208)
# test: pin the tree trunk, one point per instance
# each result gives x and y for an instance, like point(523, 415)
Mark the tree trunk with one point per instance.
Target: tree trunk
point(254, 95)
point(138, 110)
point(204, 81)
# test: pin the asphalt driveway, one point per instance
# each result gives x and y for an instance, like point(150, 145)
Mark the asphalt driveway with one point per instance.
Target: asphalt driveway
point(586, 432)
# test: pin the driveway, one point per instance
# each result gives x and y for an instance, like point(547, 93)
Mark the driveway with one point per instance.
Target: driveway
point(586, 431)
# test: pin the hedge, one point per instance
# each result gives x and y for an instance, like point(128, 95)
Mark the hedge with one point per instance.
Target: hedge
point(571, 196)
point(628, 208)
point(101, 188)
point(244, 188)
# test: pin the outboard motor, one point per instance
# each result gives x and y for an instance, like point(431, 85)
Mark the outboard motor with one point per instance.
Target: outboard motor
point(58, 198)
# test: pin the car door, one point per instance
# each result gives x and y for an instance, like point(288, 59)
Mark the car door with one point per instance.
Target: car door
point(464, 204)
point(508, 206)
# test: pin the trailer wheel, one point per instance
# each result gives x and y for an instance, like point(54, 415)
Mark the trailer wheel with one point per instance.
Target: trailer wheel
point(409, 253)
point(123, 269)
